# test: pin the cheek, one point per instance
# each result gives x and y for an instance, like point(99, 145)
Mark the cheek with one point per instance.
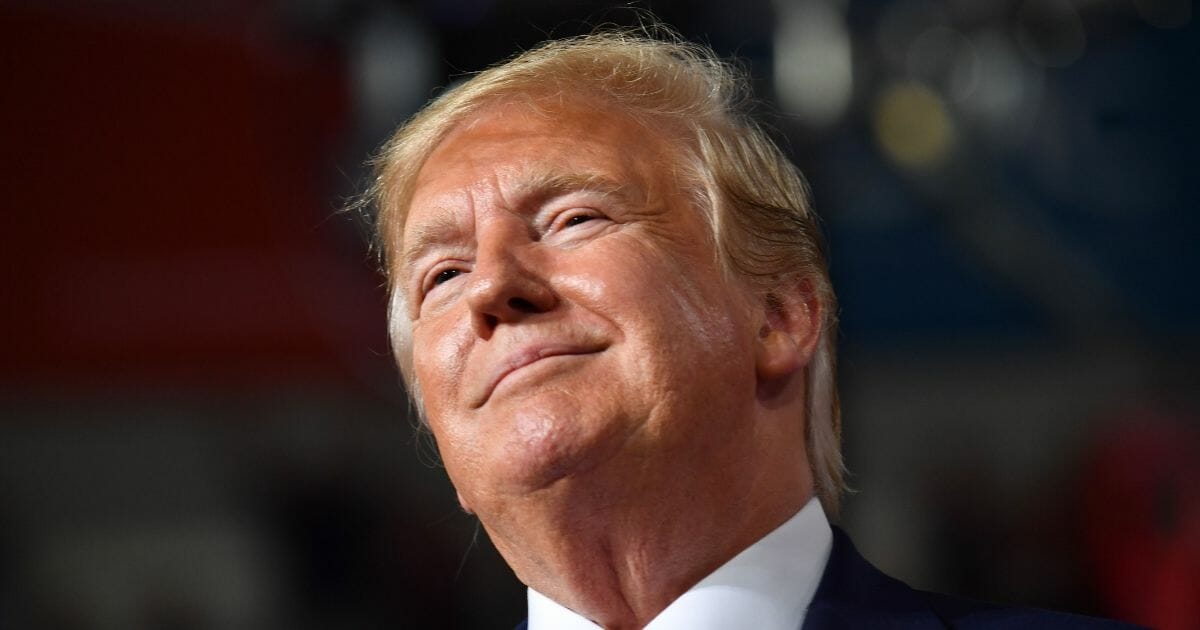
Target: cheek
point(661, 293)
point(463, 464)
point(675, 316)
point(440, 351)
point(439, 356)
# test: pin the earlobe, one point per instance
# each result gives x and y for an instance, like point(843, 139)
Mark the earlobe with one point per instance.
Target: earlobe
point(778, 355)
point(789, 332)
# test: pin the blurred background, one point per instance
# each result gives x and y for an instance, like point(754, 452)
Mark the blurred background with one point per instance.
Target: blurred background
point(200, 425)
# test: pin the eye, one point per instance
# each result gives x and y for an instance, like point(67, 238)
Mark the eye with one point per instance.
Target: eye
point(440, 277)
point(445, 275)
point(574, 217)
point(573, 223)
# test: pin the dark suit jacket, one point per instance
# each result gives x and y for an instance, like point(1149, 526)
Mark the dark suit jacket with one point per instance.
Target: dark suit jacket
point(854, 594)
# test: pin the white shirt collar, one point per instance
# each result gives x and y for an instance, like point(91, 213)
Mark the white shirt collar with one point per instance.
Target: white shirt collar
point(768, 586)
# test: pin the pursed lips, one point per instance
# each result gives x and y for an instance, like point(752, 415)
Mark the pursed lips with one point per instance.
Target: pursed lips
point(526, 356)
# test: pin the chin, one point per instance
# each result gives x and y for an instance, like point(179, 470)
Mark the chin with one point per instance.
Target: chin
point(546, 443)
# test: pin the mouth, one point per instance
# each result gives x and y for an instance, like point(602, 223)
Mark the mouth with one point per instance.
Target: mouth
point(524, 358)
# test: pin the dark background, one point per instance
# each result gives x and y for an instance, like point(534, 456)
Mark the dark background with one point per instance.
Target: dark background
point(200, 426)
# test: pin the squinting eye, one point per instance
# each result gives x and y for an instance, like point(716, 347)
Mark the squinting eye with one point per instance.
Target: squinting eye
point(578, 219)
point(445, 275)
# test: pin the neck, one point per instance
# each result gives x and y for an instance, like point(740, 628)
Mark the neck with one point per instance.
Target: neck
point(618, 549)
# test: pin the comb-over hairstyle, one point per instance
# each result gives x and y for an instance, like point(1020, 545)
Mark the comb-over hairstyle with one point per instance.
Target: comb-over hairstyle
point(754, 198)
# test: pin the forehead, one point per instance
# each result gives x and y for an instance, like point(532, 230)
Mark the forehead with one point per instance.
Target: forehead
point(518, 146)
point(511, 156)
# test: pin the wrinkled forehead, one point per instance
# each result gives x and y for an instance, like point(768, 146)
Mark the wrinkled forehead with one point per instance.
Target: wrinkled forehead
point(580, 115)
point(523, 149)
point(565, 134)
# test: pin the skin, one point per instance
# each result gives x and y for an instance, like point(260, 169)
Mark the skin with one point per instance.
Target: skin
point(621, 416)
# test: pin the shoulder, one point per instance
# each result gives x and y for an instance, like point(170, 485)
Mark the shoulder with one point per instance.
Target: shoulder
point(961, 613)
point(854, 594)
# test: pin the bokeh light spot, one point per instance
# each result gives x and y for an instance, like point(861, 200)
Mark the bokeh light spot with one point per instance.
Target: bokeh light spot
point(813, 70)
point(912, 126)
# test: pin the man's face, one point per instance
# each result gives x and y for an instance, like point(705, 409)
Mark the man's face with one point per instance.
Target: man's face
point(568, 316)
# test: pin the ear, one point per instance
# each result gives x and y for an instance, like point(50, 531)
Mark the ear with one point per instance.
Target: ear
point(787, 339)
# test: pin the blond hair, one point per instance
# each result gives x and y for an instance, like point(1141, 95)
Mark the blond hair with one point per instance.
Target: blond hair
point(755, 199)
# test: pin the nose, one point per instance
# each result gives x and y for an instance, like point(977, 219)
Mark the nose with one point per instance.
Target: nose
point(506, 287)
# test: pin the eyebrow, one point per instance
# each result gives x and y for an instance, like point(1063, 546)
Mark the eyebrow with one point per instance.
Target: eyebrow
point(546, 186)
point(445, 226)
